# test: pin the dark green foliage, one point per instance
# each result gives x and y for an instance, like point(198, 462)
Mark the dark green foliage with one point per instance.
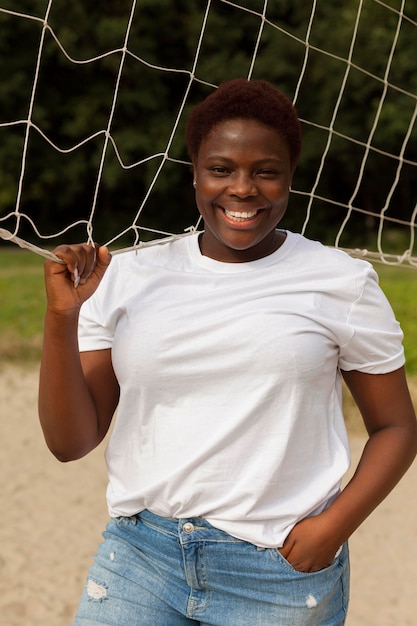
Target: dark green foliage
point(74, 101)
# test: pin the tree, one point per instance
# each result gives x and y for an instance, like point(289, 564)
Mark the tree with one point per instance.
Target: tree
point(74, 99)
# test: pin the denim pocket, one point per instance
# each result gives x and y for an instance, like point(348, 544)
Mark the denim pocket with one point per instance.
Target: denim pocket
point(285, 563)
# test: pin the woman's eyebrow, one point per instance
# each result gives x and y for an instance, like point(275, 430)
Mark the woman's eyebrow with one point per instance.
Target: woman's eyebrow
point(225, 159)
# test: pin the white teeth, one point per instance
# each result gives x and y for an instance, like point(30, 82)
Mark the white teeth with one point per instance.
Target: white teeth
point(240, 215)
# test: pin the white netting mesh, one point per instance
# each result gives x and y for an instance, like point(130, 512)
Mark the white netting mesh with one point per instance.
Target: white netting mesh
point(350, 70)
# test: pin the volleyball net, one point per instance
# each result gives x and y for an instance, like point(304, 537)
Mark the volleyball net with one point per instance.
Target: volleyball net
point(95, 99)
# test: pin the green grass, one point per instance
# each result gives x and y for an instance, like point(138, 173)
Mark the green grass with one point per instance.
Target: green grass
point(400, 287)
point(22, 304)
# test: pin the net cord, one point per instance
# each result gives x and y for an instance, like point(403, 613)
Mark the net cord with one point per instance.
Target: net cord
point(164, 156)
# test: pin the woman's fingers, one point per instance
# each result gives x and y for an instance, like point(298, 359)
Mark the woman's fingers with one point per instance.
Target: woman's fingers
point(79, 259)
point(70, 282)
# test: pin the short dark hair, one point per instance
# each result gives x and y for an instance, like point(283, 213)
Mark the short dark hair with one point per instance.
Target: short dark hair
point(247, 99)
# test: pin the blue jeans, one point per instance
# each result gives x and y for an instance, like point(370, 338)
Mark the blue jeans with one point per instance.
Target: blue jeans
point(151, 571)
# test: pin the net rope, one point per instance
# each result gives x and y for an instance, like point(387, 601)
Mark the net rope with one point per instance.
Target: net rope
point(384, 216)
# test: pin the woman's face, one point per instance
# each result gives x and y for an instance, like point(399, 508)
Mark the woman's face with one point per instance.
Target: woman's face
point(243, 174)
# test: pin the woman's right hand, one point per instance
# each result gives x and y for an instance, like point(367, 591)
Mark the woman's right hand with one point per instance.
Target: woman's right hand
point(78, 394)
point(72, 282)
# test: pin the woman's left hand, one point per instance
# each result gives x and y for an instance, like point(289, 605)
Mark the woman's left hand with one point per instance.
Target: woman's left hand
point(389, 417)
point(310, 546)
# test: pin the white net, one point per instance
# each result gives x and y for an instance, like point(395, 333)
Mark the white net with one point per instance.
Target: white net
point(95, 98)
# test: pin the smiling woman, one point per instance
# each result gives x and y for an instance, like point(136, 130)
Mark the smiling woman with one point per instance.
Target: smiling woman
point(224, 354)
point(244, 154)
point(243, 174)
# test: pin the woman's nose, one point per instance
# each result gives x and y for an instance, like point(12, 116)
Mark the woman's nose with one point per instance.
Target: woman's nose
point(242, 185)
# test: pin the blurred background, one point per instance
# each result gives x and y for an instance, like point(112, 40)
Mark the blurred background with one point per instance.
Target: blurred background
point(81, 145)
point(351, 69)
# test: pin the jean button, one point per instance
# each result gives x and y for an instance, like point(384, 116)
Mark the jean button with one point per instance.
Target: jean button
point(188, 528)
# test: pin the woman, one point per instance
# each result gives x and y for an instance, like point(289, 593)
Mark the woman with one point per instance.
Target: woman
point(223, 353)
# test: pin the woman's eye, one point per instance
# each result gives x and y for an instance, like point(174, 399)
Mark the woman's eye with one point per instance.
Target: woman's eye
point(218, 169)
point(268, 173)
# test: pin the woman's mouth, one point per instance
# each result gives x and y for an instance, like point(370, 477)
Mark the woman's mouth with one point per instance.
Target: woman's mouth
point(240, 216)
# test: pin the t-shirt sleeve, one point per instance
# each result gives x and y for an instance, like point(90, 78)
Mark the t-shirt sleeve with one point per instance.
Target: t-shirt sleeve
point(93, 332)
point(375, 344)
point(99, 314)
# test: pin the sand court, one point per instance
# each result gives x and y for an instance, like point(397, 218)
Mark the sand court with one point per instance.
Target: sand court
point(53, 516)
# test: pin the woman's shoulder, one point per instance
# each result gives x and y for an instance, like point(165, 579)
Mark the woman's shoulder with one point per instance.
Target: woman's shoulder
point(326, 256)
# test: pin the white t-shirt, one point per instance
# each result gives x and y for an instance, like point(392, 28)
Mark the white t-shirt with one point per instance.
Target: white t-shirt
point(230, 405)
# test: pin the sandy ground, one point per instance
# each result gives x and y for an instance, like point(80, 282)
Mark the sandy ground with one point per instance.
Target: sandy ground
point(53, 516)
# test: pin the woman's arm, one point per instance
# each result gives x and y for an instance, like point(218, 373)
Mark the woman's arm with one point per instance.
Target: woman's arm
point(389, 417)
point(78, 394)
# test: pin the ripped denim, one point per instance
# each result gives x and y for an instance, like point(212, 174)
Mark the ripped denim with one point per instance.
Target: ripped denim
point(152, 571)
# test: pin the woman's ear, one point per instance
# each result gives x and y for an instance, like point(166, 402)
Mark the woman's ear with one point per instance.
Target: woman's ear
point(292, 175)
